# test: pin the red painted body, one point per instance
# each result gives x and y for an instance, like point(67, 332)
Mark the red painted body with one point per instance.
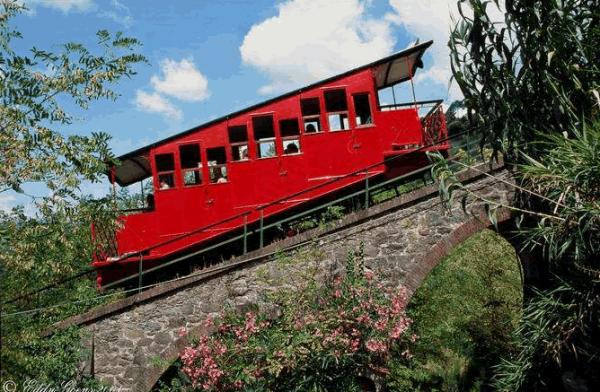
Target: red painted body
point(254, 182)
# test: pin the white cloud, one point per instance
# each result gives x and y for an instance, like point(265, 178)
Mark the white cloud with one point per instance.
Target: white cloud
point(155, 103)
point(433, 20)
point(7, 202)
point(181, 80)
point(119, 13)
point(312, 39)
point(62, 5)
point(429, 20)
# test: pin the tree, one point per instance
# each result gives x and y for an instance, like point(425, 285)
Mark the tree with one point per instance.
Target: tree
point(532, 85)
point(536, 70)
point(56, 243)
point(32, 149)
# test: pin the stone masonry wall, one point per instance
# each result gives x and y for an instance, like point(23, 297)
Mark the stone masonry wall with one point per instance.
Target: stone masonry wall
point(130, 347)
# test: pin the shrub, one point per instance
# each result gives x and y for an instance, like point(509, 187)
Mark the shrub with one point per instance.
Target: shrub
point(325, 339)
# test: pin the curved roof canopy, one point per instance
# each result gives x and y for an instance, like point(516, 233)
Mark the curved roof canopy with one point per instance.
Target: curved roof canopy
point(396, 68)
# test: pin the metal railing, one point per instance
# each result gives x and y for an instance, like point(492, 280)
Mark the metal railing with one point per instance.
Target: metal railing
point(104, 240)
point(434, 125)
point(416, 104)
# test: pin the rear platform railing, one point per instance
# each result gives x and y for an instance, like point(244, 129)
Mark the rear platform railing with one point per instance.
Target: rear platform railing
point(104, 240)
point(434, 125)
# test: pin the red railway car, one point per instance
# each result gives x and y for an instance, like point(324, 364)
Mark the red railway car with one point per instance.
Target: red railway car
point(269, 159)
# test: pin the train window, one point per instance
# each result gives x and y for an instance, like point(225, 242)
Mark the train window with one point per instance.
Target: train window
point(191, 165)
point(238, 139)
point(165, 171)
point(217, 165)
point(264, 135)
point(311, 113)
point(290, 136)
point(362, 109)
point(337, 109)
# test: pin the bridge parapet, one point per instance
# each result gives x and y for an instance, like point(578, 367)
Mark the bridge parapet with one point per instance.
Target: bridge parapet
point(403, 239)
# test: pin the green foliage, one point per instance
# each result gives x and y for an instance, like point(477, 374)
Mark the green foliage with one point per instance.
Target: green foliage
point(322, 220)
point(31, 89)
point(454, 123)
point(52, 362)
point(569, 178)
point(536, 69)
point(33, 253)
point(561, 321)
point(56, 243)
point(558, 335)
point(464, 314)
point(533, 83)
point(560, 220)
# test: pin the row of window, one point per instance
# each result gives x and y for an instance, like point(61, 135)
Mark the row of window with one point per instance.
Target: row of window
point(264, 138)
point(337, 111)
point(191, 166)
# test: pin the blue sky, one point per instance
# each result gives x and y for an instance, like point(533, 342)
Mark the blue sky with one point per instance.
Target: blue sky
point(209, 58)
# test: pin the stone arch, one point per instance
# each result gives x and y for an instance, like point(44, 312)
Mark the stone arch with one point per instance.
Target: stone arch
point(428, 261)
point(148, 380)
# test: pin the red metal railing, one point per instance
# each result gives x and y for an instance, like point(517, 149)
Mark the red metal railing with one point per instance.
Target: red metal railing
point(434, 126)
point(104, 240)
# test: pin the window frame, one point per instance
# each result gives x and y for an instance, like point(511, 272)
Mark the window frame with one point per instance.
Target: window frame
point(233, 145)
point(271, 139)
point(198, 169)
point(372, 123)
point(337, 112)
point(219, 166)
point(310, 117)
point(297, 138)
point(165, 172)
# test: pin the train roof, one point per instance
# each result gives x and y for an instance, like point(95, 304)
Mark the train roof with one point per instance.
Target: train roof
point(389, 71)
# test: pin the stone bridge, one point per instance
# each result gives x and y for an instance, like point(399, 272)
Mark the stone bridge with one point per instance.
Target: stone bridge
point(132, 341)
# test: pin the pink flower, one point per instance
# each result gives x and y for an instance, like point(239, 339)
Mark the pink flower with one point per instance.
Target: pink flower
point(364, 318)
point(376, 346)
point(398, 329)
point(337, 293)
point(298, 324)
point(381, 324)
point(250, 326)
point(182, 332)
point(209, 322)
point(354, 345)
point(369, 275)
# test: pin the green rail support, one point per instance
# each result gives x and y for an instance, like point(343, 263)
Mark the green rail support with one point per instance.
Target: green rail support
point(366, 189)
point(245, 234)
point(262, 231)
point(140, 273)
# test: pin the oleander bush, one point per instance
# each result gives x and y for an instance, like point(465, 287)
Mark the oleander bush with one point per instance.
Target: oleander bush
point(328, 338)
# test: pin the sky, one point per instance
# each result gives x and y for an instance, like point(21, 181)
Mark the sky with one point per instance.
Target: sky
point(208, 58)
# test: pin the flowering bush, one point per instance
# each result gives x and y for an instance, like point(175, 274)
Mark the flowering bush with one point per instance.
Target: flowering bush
point(325, 338)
